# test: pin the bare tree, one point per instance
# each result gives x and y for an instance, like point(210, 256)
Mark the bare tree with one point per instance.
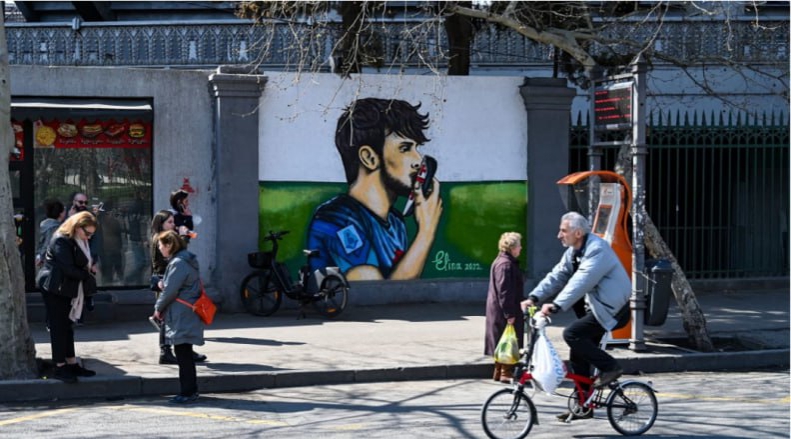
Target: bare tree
point(19, 353)
point(580, 35)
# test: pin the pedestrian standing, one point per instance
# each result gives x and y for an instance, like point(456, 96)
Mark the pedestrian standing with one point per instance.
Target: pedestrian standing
point(162, 222)
point(183, 328)
point(66, 281)
point(505, 293)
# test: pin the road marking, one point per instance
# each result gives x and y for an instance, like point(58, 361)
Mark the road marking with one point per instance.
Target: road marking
point(36, 416)
point(723, 398)
point(171, 412)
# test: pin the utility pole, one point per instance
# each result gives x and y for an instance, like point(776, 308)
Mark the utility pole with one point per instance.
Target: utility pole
point(639, 152)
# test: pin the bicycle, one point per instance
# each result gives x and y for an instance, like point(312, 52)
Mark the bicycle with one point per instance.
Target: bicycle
point(631, 405)
point(262, 290)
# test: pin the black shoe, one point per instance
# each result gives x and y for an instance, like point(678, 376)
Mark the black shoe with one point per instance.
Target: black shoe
point(607, 377)
point(65, 374)
point(568, 417)
point(198, 357)
point(181, 399)
point(80, 371)
point(166, 357)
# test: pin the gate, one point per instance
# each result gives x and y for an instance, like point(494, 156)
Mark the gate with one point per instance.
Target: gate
point(716, 188)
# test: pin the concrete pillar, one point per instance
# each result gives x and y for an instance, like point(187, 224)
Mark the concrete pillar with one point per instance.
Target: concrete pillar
point(236, 99)
point(548, 104)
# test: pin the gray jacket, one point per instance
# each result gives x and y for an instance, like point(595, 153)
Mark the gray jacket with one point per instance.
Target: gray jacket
point(47, 228)
point(182, 280)
point(600, 278)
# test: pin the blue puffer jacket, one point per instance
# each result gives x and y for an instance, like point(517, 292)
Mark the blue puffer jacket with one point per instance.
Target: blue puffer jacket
point(182, 280)
point(600, 278)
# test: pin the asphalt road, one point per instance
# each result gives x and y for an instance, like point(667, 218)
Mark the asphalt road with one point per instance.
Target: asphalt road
point(692, 404)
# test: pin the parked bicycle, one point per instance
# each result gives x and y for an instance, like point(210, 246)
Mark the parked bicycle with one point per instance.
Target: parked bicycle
point(510, 413)
point(262, 290)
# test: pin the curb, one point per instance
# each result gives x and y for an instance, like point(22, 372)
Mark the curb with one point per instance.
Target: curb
point(122, 386)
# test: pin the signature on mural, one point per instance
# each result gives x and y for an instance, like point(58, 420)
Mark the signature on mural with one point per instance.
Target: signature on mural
point(359, 231)
point(443, 262)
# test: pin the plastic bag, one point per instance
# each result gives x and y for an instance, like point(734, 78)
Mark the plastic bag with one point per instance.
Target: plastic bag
point(507, 351)
point(548, 368)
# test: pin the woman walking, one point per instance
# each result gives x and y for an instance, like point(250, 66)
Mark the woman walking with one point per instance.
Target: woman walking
point(503, 299)
point(66, 282)
point(183, 328)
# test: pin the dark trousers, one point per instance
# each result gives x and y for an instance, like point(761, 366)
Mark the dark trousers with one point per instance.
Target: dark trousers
point(61, 334)
point(188, 378)
point(583, 337)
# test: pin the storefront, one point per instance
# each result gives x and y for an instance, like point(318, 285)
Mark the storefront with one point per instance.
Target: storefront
point(101, 148)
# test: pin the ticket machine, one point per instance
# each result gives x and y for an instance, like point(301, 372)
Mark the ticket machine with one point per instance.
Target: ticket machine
point(610, 216)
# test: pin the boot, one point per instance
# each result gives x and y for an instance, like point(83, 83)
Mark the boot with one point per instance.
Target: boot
point(497, 369)
point(506, 373)
point(166, 356)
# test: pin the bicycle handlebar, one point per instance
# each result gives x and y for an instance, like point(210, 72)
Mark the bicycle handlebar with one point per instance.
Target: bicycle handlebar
point(273, 236)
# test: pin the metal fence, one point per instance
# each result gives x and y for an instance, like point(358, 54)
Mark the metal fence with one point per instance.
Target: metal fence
point(717, 188)
point(402, 43)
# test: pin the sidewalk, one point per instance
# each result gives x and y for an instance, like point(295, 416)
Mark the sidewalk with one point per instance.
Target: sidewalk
point(380, 343)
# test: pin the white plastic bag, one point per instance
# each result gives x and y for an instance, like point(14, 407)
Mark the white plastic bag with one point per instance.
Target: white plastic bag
point(548, 368)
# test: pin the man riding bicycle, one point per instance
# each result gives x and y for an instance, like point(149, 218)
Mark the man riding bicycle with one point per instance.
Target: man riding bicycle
point(588, 270)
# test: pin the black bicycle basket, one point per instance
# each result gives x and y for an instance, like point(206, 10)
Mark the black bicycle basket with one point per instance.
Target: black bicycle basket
point(259, 259)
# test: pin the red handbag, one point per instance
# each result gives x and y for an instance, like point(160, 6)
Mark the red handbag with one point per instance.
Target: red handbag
point(203, 307)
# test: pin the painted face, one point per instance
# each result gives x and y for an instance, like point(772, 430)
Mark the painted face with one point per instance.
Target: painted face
point(164, 249)
point(400, 163)
point(567, 236)
point(169, 224)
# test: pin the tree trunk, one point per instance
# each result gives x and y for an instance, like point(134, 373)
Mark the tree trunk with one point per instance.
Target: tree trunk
point(692, 315)
point(460, 32)
point(353, 23)
point(18, 358)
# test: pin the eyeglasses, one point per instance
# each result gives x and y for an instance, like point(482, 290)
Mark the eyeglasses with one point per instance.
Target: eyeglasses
point(81, 202)
point(87, 233)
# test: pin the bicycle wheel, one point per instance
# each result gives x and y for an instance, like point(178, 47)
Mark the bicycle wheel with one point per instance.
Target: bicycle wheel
point(632, 408)
point(260, 295)
point(508, 414)
point(331, 298)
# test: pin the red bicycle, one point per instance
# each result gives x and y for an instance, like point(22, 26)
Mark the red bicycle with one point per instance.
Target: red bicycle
point(510, 413)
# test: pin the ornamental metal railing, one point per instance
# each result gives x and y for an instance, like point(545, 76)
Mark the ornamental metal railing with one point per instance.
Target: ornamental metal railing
point(717, 188)
point(239, 42)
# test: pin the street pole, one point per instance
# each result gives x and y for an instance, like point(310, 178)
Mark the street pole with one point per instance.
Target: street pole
point(639, 153)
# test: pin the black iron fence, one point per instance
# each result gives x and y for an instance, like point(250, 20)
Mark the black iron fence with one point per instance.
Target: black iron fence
point(717, 189)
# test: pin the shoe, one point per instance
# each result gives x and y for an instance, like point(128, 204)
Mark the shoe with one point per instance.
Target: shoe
point(166, 356)
point(574, 417)
point(80, 371)
point(181, 399)
point(607, 377)
point(198, 357)
point(65, 374)
point(496, 375)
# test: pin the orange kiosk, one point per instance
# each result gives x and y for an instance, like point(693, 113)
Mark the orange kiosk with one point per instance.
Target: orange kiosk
point(611, 218)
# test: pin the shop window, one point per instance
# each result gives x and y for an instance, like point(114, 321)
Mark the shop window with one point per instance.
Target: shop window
point(103, 153)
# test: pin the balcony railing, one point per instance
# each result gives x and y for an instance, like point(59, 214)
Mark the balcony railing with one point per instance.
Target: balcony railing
point(238, 42)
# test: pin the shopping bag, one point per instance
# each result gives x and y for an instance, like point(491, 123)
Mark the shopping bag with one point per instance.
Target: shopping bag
point(507, 351)
point(203, 307)
point(548, 368)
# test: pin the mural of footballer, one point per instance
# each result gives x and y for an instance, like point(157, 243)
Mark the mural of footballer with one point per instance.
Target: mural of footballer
point(359, 231)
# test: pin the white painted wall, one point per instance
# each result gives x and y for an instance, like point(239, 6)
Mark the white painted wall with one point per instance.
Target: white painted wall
point(478, 125)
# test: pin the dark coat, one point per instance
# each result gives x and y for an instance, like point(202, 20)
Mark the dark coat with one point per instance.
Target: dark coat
point(506, 291)
point(65, 266)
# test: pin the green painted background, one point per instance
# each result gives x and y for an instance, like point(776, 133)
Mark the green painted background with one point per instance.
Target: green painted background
point(474, 216)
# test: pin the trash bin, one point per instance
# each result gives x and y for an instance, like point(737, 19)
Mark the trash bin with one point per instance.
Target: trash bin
point(658, 290)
